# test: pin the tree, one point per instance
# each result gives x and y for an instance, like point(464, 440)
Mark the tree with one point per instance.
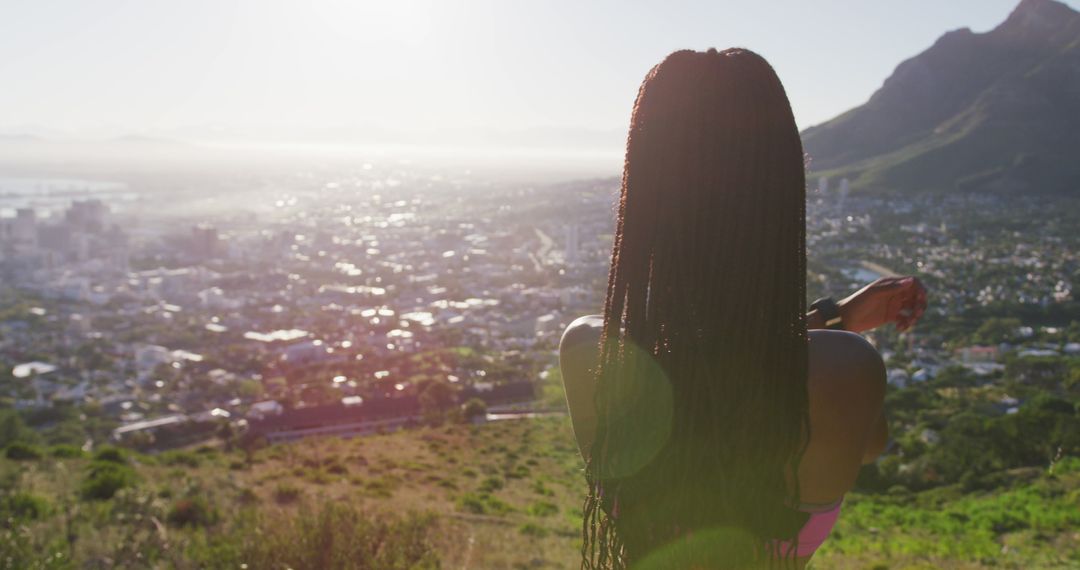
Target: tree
point(473, 408)
point(996, 330)
point(13, 429)
point(436, 396)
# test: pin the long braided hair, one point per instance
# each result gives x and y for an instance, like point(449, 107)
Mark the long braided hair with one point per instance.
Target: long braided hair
point(701, 385)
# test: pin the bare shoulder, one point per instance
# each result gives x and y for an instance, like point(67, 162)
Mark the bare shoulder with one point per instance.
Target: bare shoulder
point(845, 364)
point(579, 349)
point(846, 385)
point(578, 356)
point(584, 330)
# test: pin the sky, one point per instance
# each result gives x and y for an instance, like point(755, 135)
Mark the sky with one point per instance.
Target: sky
point(145, 66)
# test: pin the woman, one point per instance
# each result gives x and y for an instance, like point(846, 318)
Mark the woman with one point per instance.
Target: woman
point(717, 431)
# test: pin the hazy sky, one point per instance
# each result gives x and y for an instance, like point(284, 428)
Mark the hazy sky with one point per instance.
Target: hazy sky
point(143, 65)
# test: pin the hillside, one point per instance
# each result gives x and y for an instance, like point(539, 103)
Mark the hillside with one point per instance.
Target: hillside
point(996, 111)
point(500, 495)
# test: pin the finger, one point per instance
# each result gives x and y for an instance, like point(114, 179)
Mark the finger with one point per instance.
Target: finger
point(920, 291)
point(905, 306)
point(906, 324)
point(890, 283)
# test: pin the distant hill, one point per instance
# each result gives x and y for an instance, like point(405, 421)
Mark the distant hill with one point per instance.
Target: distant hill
point(995, 111)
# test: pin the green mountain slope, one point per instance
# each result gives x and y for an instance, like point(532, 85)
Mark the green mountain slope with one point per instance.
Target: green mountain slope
point(996, 111)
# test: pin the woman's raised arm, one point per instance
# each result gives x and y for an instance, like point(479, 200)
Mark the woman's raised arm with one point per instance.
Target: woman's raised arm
point(899, 300)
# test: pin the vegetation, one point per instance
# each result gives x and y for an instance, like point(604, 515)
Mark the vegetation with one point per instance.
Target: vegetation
point(500, 495)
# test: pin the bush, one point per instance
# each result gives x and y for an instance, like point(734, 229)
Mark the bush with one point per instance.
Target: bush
point(22, 452)
point(180, 458)
point(491, 484)
point(23, 506)
point(543, 509)
point(105, 478)
point(286, 493)
point(337, 468)
point(518, 472)
point(111, 455)
point(532, 529)
point(192, 511)
point(473, 408)
point(335, 536)
point(483, 504)
point(471, 503)
point(66, 452)
point(247, 497)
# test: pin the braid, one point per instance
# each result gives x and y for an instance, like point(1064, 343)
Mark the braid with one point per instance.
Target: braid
point(701, 385)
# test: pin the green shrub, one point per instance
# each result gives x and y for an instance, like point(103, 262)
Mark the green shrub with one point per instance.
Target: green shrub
point(543, 509)
point(472, 503)
point(483, 504)
point(491, 484)
point(1065, 465)
point(23, 506)
point(539, 488)
point(105, 478)
point(473, 408)
point(286, 493)
point(19, 451)
point(533, 529)
point(66, 452)
point(180, 458)
point(518, 472)
point(111, 455)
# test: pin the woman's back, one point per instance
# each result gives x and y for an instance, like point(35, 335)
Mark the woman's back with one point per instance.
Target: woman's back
point(693, 412)
point(845, 382)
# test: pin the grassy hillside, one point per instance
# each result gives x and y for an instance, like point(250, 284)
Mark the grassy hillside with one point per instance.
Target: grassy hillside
point(501, 495)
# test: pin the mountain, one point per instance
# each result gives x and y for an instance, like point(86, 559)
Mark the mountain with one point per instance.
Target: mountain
point(994, 111)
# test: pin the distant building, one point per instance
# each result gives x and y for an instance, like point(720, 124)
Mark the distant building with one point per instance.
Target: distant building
point(897, 377)
point(150, 356)
point(347, 419)
point(547, 324)
point(305, 352)
point(573, 243)
point(205, 241)
point(87, 215)
point(21, 233)
point(265, 409)
point(977, 354)
point(171, 431)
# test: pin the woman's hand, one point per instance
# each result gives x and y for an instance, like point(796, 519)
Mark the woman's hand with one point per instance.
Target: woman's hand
point(899, 300)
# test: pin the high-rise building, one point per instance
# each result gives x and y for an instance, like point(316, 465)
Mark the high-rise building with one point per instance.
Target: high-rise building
point(204, 240)
point(573, 243)
point(24, 230)
point(87, 215)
